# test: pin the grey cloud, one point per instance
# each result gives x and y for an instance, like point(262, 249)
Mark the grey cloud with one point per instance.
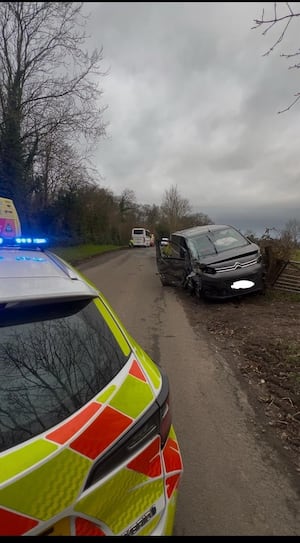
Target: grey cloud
point(193, 102)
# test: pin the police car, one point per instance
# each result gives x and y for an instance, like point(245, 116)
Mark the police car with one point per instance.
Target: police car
point(87, 444)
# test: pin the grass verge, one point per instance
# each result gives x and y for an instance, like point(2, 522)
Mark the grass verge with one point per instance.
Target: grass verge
point(82, 252)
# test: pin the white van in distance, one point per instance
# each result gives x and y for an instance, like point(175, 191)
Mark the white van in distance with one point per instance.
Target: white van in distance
point(140, 237)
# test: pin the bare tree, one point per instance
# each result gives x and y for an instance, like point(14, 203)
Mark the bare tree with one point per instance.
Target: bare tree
point(127, 203)
point(281, 17)
point(291, 231)
point(48, 85)
point(174, 208)
point(151, 216)
point(58, 164)
point(196, 219)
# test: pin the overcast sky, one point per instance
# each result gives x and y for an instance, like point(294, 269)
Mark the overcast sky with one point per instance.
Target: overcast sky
point(193, 103)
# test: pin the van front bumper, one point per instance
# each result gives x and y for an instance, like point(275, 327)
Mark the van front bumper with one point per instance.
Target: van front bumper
point(230, 285)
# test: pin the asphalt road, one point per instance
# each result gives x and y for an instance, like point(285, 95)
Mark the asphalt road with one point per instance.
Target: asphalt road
point(234, 481)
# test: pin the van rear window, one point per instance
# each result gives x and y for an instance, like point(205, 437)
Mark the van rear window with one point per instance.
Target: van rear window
point(138, 231)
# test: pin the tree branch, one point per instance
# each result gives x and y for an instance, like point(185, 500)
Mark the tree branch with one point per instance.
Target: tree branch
point(270, 23)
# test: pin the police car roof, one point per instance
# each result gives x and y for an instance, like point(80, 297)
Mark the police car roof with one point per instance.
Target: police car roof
point(31, 275)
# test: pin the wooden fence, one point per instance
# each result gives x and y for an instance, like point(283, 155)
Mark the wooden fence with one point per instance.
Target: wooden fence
point(287, 277)
point(281, 272)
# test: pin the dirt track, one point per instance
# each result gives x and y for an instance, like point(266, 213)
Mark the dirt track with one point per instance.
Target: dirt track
point(260, 337)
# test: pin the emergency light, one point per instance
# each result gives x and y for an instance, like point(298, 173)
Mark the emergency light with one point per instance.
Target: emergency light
point(24, 242)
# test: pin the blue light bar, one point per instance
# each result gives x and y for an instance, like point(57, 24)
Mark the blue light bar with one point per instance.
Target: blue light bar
point(28, 241)
point(24, 241)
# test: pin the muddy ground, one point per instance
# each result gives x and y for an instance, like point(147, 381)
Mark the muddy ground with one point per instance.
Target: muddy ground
point(259, 336)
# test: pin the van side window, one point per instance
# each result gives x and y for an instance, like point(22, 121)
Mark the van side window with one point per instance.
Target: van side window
point(174, 250)
point(179, 246)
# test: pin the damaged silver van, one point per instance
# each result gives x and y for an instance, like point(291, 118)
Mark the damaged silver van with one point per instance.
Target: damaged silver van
point(212, 261)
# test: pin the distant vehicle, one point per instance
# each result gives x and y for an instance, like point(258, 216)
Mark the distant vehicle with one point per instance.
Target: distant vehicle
point(212, 261)
point(10, 225)
point(164, 241)
point(87, 443)
point(140, 237)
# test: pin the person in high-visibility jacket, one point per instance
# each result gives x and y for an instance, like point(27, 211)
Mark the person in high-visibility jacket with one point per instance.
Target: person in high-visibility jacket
point(166, 249)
